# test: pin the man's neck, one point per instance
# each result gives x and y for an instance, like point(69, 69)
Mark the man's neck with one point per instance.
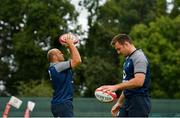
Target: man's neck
point(131, 49)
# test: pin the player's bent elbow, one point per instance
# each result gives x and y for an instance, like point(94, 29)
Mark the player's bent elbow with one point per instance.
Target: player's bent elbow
point(75, 63)
point(139, 84)
point(138, 81)
point(78, 62)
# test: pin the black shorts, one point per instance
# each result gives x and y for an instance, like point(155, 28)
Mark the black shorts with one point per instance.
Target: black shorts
point(63, 109)
point(136, 106)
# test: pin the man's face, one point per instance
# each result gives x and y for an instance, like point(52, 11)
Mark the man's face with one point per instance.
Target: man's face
point(60, 55)
point(121, 48)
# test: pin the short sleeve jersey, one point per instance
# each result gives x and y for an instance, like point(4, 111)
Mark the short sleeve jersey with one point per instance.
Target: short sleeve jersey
point(62, 81)
point(136, 62)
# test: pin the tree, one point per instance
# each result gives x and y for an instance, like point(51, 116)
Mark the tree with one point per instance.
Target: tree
point(175, 10)
point(5, 53)
point(34, 26)
point(37, 88)
point(106, 20)
point(112, 18)
point(95, 72)
point(29, 28)
point(160, 41)
point(10, 18)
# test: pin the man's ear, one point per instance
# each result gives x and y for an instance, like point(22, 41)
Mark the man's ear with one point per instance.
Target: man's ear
point(126, 44)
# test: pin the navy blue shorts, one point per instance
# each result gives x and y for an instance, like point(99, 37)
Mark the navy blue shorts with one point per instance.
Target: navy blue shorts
point(62, 109)
point(136, 106)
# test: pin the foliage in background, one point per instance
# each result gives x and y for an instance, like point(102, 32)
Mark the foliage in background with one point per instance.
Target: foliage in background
point(36, 88)
point(119, 16)
point(160, 40)
point(32, 27)
point(29, 28)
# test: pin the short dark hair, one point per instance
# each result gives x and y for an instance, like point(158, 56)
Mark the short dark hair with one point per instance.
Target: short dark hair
point(121, 38)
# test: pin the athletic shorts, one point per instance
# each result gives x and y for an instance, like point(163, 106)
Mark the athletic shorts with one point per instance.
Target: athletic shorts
point(136, 106)
point(62, 109)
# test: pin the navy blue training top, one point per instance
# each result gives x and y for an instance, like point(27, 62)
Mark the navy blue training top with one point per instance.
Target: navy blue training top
point(136, 62)
point(62, 82)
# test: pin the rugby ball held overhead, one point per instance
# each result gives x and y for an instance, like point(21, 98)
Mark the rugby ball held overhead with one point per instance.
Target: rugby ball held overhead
point(105, 96)
point(74, 37)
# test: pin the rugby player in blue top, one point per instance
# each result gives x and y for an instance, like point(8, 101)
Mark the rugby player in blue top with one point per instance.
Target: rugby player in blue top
point(134, 100)
point(60, 72)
